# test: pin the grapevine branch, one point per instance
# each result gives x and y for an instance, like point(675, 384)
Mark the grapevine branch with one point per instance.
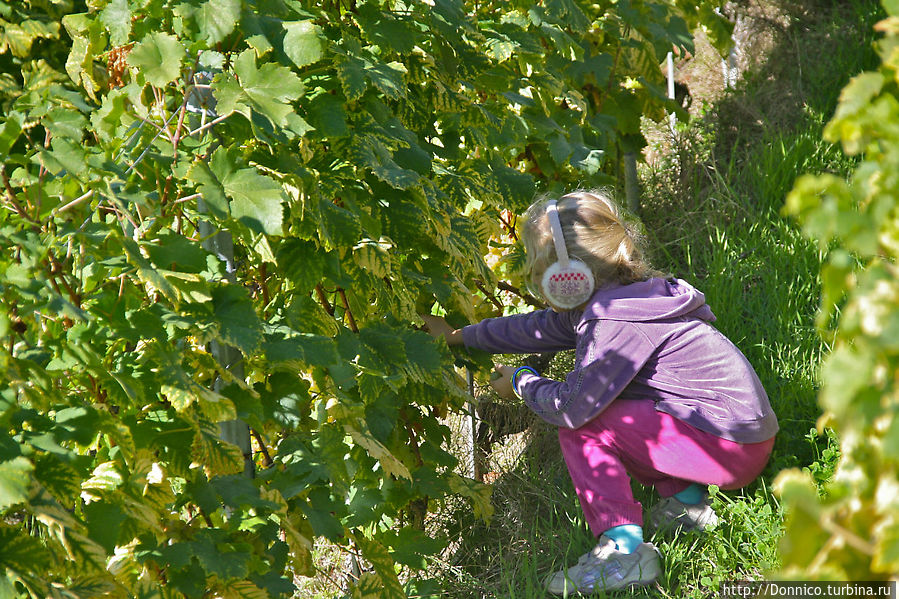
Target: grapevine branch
point(492, 298)
point(527, 297)
point(351, 321)
point(323, 299)
point(11, 197)
point(510, 226)
point(265, 454)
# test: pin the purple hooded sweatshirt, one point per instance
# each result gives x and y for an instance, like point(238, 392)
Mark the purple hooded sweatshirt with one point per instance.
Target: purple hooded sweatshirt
point(648, 340)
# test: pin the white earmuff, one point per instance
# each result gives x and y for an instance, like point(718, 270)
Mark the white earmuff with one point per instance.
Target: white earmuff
point(567, 283)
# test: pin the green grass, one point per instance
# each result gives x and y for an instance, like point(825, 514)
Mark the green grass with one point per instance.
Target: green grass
point(712, 216)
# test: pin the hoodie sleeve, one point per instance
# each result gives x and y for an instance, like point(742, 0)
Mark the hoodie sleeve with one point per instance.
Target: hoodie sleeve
point(608, 358)
point(540, 331)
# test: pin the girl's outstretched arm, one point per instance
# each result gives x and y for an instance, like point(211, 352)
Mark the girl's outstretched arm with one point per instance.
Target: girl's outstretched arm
point(540, 331)
point(437, 326)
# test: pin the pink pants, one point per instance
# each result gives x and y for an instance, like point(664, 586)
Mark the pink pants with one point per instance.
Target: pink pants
point(630, 437)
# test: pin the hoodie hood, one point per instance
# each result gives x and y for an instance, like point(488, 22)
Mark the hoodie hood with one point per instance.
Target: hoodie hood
point(655, 299)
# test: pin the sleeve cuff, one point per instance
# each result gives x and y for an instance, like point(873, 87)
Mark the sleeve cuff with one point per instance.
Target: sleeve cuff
point(523, 379)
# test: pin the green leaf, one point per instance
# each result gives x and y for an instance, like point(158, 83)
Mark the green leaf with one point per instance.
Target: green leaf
point(104, 521)
point(424, 362)
point(340, 227)
point(117, 18)
point(176, 252)
point(268, 90)
point(238, 323)
point(477, 492)
point(255, 200)
point(217, 19)
point(219, 557)
point(373, 257)
point(15, 480)
point(389, 463)
point(380, 559)
point(208, 184)
point(301, 262)
point(326, 113)
point(303, 42)
point(217, 456)
point(297, 350)
point(351, 72)
point(22, 553)
point(158, 57)
point(10, 132)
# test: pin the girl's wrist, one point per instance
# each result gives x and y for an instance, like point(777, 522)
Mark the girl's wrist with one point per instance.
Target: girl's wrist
point(515, 376)
point(454, 337)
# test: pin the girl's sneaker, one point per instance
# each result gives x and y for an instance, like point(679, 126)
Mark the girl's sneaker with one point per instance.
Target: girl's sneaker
point(671, 513)
point(606, 568)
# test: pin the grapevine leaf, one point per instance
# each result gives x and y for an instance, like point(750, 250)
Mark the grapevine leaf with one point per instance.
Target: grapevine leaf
point(15, 480)
point(10, 132)
point(340, 227)
point(286, 347)
point(477, 492)
point(158, 57)
point(172, 251)
point(391, 465)
point(58, 477)
point(388, 30)
point(351, 72)
point(301, 262)
point(204, 175)
point(269, 89)
point(368, 586)
point(217, 456)
point(104, 520)
point(217, 19)
point(373, 257)
point(326, 113)
point(117, 18)
point(22, 552)
point(238, 323)
point(303, 42)
point(424, 361)
point(380, 559)
point(219, 557)
point(410, 546)
point(255, 200)
point(244, 589)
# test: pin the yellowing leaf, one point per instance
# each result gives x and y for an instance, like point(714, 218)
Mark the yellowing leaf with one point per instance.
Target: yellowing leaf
point(384, 566)
point(376, 449)
point(478, 493)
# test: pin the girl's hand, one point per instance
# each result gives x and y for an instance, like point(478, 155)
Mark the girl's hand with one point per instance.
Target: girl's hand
point(438, 327)
point(501, 381)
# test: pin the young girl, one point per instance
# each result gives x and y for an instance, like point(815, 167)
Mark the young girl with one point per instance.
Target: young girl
point(657, 393)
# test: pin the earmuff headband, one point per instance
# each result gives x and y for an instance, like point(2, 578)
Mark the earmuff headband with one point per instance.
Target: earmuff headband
point(567, 283)
point(555, 225)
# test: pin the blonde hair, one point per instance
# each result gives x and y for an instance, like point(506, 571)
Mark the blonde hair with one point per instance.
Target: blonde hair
point(595, 232)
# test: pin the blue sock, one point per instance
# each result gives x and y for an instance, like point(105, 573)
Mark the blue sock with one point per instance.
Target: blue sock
point(691, 495)
point(626, 536)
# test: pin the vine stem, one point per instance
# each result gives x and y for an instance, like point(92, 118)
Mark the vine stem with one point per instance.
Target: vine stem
point(323, 299)
point(86, 196)
point(268, 458)
point(510, 226)
point(263, 282)
point(56, 268)
point(492, 298)
point(351, 321)
point(11, 197)
point(527, 297)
